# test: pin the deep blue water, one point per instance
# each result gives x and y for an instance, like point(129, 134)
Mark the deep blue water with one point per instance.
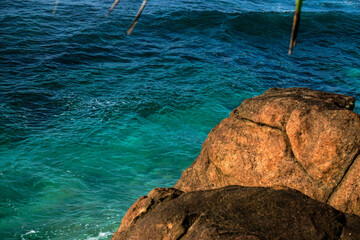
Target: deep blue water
point(92, 119)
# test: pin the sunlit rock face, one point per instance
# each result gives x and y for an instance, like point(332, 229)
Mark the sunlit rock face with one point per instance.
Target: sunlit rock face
point(297, 137)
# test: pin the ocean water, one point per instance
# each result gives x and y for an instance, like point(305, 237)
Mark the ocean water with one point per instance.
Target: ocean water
point(92, 119)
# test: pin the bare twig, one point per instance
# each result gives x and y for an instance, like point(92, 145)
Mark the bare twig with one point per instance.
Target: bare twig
point(112, 7)
point(296, 24)
point(131, 28)
point(55, 7)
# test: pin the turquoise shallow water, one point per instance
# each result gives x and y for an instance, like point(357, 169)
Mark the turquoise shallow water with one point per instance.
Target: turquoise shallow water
point(91, 119)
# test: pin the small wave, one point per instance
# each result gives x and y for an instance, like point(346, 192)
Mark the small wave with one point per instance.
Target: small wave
point(30, 232)
point(26, 235)
point(102, 235)
point(353, 73)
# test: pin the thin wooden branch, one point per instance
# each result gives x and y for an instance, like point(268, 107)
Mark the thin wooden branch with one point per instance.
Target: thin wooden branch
point(131, 28)
point(296, 24)
point(112, 7)
point(55, 7)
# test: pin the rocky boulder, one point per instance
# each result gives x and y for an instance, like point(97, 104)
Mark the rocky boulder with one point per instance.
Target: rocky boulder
point(235, 212)
point(297, 137)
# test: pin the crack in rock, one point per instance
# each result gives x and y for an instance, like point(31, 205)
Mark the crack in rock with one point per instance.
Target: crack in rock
point(334, 190)
point(259, 124)
point(187, 223)
point(288, 143)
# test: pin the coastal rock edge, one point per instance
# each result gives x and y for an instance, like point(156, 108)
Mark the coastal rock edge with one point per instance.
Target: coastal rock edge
point(283, 165)
point(236, 212)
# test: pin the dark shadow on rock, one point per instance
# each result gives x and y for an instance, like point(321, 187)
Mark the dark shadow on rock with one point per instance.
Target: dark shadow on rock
point(237, 212)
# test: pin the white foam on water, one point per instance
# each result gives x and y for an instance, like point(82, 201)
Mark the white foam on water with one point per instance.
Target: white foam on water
point(102, 235)
point(30, 232)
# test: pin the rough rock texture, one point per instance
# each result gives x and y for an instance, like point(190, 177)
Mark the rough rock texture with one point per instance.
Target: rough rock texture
point(146, 203)
point(297, 137)
point(235, 212)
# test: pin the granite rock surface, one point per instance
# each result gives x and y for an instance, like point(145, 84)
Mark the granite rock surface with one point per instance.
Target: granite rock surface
point(296, 137)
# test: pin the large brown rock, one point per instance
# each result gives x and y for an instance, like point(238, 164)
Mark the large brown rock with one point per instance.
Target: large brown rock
point(235, 212)
point(299, 138)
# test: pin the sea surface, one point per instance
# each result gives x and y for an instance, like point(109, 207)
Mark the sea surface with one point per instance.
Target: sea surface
point(92, 119)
